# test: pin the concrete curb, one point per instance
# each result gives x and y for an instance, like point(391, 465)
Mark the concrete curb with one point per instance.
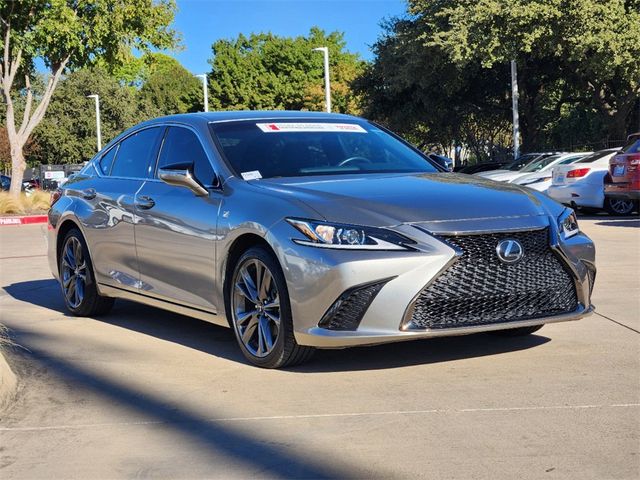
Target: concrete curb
point(23, 220)
point(8, 383)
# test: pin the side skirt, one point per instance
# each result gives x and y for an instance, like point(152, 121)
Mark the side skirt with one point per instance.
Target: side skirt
point(205, 315)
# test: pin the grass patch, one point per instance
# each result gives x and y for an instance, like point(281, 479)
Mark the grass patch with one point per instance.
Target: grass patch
point(37, 202)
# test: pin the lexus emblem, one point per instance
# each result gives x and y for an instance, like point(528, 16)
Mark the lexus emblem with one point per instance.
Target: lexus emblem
point(510, 251)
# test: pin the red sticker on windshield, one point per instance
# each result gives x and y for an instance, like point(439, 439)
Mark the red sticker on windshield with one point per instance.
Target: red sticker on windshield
point(310, 127)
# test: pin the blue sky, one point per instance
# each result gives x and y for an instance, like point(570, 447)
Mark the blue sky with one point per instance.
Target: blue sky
point(201, 22)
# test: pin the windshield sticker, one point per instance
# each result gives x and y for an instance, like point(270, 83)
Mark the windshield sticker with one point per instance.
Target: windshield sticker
point(252, 175)
point(310, 127)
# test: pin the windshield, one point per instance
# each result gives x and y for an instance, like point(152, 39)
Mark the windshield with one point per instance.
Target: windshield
point(540, 164)
point(596, 156)
point(633, 145)
point(281, 148)
point(522, 161)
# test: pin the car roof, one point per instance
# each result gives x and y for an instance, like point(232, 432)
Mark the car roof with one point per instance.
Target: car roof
point(227, 116)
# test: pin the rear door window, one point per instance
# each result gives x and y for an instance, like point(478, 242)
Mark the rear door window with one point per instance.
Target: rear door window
point(633, 145)
point(181, 145)
point(137, 153)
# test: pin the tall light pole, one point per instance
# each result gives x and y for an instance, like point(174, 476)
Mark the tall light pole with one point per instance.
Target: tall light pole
point(327, 85)
point(98, 133)
point(514, 106)
point(203, 76)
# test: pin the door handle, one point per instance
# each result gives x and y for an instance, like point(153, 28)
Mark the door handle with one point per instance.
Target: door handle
point(144, 202)
point(89, 194)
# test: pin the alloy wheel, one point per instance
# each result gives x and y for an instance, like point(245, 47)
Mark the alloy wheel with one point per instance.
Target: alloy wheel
point(74, 272)
point(256, 307)
point(621, 206)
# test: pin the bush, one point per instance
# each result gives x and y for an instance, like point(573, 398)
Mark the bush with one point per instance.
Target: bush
point(37, 202)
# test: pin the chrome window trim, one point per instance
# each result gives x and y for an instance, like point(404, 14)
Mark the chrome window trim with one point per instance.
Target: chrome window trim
point(152, 178)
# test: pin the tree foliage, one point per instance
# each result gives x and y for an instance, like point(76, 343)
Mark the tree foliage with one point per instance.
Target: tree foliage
point(68, 133)
point(419, 91)
point(265, 71)
point(578, 69)
point(67, 35)
point(168, 87)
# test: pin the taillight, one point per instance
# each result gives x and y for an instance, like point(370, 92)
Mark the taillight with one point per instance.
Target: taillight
point(55, 196)
point(578, 172)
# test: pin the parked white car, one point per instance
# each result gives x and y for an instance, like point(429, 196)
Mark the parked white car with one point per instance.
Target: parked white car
point(581, 184)
point(540, 165)
point(540, 180)
point(516, 165)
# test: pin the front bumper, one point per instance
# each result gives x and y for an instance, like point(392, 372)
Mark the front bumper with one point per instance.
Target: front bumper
point(317, 277)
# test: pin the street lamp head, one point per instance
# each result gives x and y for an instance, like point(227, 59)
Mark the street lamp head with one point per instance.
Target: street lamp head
point(320, 49)
point(93, 96)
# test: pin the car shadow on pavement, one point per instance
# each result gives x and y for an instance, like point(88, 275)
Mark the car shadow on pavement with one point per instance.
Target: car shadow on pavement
point(259, 455)
point(220, 341)
point(626, 222)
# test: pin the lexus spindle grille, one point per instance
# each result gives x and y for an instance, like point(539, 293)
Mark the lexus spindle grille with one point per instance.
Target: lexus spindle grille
point(480, 289)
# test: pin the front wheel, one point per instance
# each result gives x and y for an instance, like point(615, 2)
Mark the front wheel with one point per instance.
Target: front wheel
point(261, 313)
point(618, 206)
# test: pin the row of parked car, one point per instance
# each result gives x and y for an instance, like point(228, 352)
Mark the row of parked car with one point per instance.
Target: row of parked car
point(590, 181)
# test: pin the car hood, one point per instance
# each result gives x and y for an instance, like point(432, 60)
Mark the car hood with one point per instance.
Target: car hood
point(393, 199)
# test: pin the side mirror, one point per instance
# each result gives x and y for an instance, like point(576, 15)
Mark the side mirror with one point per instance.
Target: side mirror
point(180, 174)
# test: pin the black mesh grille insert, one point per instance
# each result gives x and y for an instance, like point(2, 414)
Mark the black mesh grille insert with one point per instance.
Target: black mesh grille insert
point(480, 289)
point(347, 311)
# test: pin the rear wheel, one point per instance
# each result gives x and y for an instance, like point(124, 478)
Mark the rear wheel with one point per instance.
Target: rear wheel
point(516, 332)
point(261, 313)
point(76, 278)
point(618, 206)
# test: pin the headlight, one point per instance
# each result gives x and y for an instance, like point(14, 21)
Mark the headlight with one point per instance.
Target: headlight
point(335, 235)
point(568, 223)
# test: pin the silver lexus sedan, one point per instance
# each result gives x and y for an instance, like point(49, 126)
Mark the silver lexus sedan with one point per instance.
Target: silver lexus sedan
point(305, 230)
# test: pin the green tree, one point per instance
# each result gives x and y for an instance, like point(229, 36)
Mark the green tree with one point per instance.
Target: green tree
point(571, 52)
point(168, 86)
point(67, 35)
point(265, 71)
point(420, 92)
point(68, 133)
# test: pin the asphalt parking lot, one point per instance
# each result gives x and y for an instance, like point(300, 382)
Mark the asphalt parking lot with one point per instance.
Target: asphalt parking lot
point(144, 393)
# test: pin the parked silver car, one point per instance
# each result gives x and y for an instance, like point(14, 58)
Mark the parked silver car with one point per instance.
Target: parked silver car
point(302, 230)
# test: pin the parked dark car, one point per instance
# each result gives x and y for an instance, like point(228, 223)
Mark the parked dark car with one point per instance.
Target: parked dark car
point(444, 162)
point(481, 167)
point(5, 182)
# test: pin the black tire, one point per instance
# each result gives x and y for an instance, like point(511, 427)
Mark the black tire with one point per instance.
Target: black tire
point(517, 332)
point(588, 211)
point(88, 303)
point(619, 207)
point(284, 351)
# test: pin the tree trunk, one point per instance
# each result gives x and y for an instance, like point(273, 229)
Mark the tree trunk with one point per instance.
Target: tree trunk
point(18, 166)
point(617, 125)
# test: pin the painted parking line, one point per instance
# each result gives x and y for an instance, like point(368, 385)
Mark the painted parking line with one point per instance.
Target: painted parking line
point(323, 416)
